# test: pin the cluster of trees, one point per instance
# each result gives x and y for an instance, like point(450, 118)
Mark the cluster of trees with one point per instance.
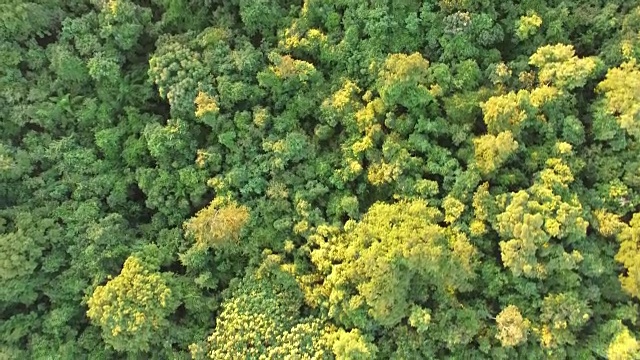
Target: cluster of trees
point(319, 179)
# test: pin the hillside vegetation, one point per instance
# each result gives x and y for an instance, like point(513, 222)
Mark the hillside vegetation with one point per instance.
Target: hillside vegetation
point(319, 179)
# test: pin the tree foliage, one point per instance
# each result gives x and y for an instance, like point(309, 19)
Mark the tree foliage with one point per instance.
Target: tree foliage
point(132, 307)
point(454, 179)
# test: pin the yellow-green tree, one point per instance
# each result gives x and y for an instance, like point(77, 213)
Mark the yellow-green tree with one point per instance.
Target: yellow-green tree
point(559, 66)
point(629, 256)
point(217, 224)
point(262, 320)
point(132, 309)
point(492, 151)
point(623, 346)
point(512, 327)
point(621, 89)
point(372, 267)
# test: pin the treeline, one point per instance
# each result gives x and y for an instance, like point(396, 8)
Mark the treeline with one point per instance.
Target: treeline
point(319, 179)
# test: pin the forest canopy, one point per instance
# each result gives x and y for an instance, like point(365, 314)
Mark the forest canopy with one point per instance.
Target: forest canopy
point(319, 179)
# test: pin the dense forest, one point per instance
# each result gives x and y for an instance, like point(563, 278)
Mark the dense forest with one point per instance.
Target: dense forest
point(319, 179)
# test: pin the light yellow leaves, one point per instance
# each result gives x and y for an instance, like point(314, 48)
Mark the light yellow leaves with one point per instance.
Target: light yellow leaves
point(559, 66)
point(260, 117)
point(501, 74)
point(362, 145)
point(286, 67)
point(608, 224)
point(519, 256)
point(403, 79)
point(214, 35)
point(366, 117)
point(505, 112)
point(535, 219)
point(344, 96)
point(557, 173)
point(477, 228)
point(481, 199)
point(528, 25)
point(353, 345)
point(345, 105)
point(205, 104)
point(621, 90)
point(627, 49)
point(512, 327)
point(629, 256)
point(562, 316)
point(398, 67)
point(420, 319)
point(490, 152)
point(382, 173)
point(542, 95)
point(112, 5)
point(624, 346)
point(361, 262)
point(130, 306)
point(217, 223)
point(453, 208)
point(451, 5)
point(550, 54)
point(293, 40)
point(563, 148)
point(201, 158)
